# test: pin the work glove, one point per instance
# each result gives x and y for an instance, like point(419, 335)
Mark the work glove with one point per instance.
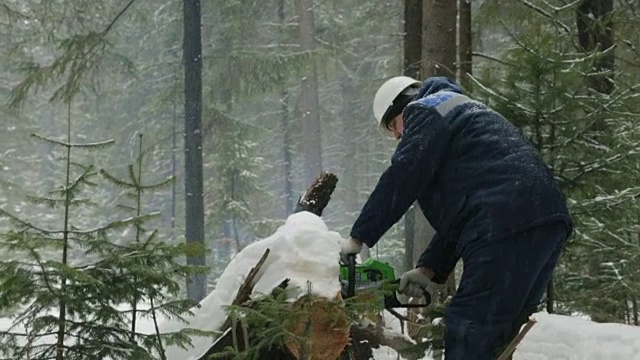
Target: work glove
point(348, 247)
point(413, 283)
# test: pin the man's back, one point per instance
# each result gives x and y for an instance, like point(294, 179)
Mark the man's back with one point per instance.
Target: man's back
point(490, 181)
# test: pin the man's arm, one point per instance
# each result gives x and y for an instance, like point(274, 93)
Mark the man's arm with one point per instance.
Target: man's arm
point(440, 258)
point(413, 167)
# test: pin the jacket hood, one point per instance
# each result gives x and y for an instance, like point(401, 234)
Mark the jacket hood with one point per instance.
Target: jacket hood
point(438, 83)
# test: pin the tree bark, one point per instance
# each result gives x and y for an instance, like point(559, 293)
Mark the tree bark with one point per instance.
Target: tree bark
point(465, 45)
point(412, 38)
point(595, 33)
point(312, 140)
point(438, 35)
point(316, 198)
point(194, 207)
point(412, 59)
point(286, 130)
point(634, 308)
point(349, 159)
point(438, 59)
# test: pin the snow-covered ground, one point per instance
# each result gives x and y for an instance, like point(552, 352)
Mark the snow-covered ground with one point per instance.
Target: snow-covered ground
point(557, 337)
point(305, 251)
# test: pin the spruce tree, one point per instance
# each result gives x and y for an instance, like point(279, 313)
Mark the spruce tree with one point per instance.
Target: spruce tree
point(68, 306)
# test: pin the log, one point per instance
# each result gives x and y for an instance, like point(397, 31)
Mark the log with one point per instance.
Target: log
point(316, 198)
point(511, 348)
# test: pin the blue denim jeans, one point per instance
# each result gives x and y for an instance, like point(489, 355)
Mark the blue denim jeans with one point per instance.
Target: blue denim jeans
point(501, 285)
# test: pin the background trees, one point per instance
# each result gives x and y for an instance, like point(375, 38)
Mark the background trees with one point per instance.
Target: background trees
point(274, 69)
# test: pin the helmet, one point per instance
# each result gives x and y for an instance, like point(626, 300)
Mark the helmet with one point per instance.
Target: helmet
point(387, 93)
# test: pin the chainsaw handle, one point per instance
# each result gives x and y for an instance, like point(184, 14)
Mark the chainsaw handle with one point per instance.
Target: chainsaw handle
point(351, 275)
point(393, 302)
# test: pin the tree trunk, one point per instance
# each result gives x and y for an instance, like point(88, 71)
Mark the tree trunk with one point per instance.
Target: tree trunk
point(312, 140)
point(194, 207)
point(412, 59)
point(595, 33)
point(412, 38)
point(439, 33)
point(349, 160)
point(286, 132)
point(634, 307)
point(439, 59)
point(465, 48)
point(551, 297)
point(409, 238)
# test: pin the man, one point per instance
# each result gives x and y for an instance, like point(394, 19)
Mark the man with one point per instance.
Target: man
point(488, 194)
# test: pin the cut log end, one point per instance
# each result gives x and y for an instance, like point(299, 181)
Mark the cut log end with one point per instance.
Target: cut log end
point(317, 197)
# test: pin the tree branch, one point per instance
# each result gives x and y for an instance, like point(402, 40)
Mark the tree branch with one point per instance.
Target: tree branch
point(118, 16)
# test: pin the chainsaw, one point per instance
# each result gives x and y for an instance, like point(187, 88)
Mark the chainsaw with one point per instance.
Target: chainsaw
point(374, 276)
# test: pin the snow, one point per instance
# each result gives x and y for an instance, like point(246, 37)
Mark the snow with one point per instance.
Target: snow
point(302, 250)
point(305, 251)
point(563, 337)
point(559, 337)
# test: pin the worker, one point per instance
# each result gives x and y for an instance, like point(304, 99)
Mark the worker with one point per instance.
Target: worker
point(489, 196)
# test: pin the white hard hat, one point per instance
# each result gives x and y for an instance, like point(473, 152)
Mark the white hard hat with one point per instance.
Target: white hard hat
point(388, 92)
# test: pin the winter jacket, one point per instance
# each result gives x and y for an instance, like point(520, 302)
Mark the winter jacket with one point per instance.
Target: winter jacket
point(475, 176)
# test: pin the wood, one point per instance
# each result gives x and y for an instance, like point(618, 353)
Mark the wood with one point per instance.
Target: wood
point(316, 198)
point(509, 350)
point(244, 292)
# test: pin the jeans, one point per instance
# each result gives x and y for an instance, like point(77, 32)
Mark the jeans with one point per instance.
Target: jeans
point(501, 285)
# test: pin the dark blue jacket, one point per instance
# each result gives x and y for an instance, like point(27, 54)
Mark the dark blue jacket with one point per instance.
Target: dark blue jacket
point(475, 176)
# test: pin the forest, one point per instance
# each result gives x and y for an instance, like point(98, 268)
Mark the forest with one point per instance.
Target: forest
point(157, 139)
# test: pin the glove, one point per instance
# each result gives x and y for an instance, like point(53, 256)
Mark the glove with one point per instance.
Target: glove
point(413, 283)
point(348, 247)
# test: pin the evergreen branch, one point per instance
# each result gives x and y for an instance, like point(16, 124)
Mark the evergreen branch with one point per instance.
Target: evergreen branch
point(114, 180)
point(24, 225)
point(134, 179)
point(492, 58)
point(96, 145)
point(598, 164)
point(76, 60)
point(117, 17)
point(547, 15)
point(73, 188)
point(55, 203)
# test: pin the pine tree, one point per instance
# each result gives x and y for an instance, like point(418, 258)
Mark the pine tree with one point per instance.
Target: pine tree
point(79, 307)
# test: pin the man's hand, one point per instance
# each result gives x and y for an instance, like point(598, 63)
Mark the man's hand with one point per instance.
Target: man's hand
point(414, 282)
point(348, 247)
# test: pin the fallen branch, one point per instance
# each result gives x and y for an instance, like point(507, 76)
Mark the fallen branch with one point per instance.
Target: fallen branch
point(244, 292)
point(243, 296)
point(511, 348)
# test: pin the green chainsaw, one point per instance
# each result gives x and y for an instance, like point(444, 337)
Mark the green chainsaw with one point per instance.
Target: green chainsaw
point(374, 275)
